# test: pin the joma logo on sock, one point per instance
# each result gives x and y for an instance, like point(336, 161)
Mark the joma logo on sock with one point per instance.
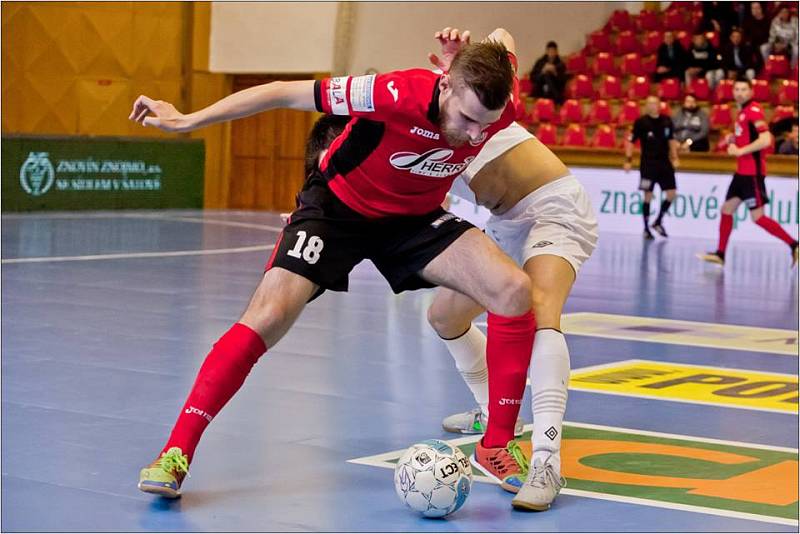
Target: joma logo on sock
point(504, 401)
point(198, 411)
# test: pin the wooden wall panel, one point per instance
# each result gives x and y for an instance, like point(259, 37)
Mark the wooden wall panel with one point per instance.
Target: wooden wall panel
point(268, 152)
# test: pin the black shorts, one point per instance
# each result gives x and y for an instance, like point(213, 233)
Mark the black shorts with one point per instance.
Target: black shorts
point(651, 175)
point(324, 239)
point(751, 189)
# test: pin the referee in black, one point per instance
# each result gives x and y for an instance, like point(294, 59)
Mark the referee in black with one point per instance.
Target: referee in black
point(658, 162)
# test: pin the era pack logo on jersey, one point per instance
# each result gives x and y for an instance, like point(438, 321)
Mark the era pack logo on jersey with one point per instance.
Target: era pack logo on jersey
point(395, 93)
point(424, 133)
point(432, 163)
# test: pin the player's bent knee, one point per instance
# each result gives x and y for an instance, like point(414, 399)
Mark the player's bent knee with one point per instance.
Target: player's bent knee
point(445, 326)
point(546, 309)
point(514, 297)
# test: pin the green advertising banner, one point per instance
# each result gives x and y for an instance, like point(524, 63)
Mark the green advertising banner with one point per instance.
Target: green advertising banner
point(82, 173)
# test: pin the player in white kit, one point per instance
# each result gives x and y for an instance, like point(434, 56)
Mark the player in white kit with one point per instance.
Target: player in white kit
point(542, 218)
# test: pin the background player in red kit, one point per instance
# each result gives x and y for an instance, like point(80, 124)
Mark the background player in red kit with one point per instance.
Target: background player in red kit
point(751, 139)
point(376, 195)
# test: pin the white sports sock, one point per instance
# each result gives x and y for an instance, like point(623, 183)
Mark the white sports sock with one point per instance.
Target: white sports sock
point(549, 375)
point(469, 352)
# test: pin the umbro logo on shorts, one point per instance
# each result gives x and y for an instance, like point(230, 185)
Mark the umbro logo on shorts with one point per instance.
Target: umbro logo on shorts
point(541, 244)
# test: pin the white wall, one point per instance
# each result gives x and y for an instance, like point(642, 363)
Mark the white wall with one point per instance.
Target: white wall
point(299, 37)
point(272, 37)
point(396, 35)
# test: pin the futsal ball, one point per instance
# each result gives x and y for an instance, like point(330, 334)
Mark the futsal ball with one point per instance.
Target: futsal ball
point(433, 478)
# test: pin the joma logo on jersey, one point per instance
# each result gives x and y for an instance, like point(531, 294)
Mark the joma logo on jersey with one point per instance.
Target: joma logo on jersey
point(424, 133)
point(432, 163)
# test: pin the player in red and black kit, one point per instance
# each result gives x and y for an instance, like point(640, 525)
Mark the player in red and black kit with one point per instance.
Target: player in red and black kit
point(375, 195)
point(751, 139)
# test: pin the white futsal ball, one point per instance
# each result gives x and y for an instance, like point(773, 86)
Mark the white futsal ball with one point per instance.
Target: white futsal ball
point(433, 478)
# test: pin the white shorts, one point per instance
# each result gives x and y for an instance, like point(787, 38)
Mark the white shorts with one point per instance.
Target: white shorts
point(556, 219)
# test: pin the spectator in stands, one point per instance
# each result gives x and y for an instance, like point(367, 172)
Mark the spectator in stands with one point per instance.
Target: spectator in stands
point(782, 33)
point(718, 17)
point(756, 26)
point(703, 60)
point(691, 126)
point(789, 145)
point(738, 58)
point(549, 75)
point(671, 62)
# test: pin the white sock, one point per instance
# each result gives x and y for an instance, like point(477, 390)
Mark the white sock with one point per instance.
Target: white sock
point(469, 352)
point(549, 375)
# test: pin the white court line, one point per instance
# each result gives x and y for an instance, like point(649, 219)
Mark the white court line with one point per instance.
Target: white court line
point(170, 254)
point(381, 460)
point(177, 218)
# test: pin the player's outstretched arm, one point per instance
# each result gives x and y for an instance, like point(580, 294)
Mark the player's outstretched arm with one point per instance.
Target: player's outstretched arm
point(297, 95)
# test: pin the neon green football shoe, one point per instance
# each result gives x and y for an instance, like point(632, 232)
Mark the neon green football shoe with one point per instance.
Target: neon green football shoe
point(165, 475)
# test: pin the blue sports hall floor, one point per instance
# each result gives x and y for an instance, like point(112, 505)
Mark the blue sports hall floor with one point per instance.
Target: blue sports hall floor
point(106, 317)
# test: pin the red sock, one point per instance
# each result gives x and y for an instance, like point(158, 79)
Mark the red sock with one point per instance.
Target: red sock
point(220, 377)
point(725, 228)
point(771, 226)
point(508, 354)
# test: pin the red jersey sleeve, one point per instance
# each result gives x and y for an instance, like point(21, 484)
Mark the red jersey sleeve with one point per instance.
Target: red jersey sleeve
point(373, 96)
point(755, 114)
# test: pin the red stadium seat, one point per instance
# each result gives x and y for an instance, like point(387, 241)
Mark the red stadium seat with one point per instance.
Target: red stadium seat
point(777, 67)
point(621, 20)
point(761, 92)
point(627, 42)
point(604, 64)
point(576, 63)
point(685, 38)
point(544, 110)
point(525, 86)
point(599, 41)
point(713, 38)
point(652, 40)
point(782, 112)
point(581, 87)
point(604, 137)
point(600, 112)
point(610, 87)
point(638, 88)
point(664, 109)
point(575, 135)
point(720, 117)
point(522, 114)
point(699, 87)
point(571, 111)
point(649, 64)
point(669, 89)
point(546, 133)
point(674, 20)
point(628, 113)
point(648, 20)
point(724, 92)
point(787, 93)
point(632, 65)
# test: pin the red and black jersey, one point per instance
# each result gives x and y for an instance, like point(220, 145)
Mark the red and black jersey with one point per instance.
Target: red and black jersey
point(750, 122)
point(392, 158)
